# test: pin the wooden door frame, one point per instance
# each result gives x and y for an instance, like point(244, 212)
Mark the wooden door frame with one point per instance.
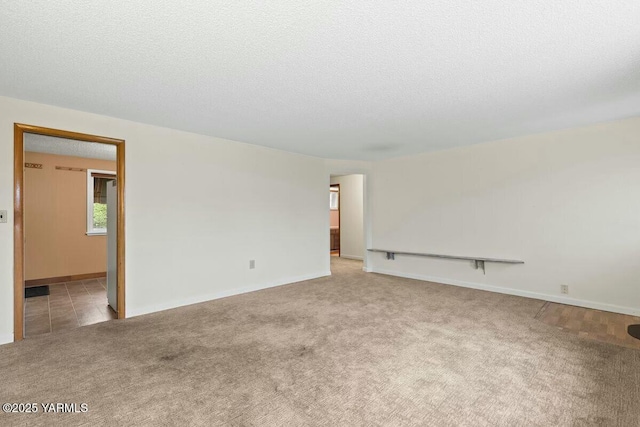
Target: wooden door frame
point(18, 215)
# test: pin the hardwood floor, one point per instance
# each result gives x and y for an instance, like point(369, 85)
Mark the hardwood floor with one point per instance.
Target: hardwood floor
point(590, 324)
point(69, 305)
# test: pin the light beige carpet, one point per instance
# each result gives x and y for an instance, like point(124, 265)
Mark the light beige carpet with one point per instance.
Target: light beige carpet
point(352, 349)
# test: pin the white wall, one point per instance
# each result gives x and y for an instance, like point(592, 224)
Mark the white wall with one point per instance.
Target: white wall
point(351, 215)
point(197, 209)
point(567, 203)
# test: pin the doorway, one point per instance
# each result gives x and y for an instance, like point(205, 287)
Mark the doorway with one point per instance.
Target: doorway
point(97, 183)
point(346, 210)
point(334, 219)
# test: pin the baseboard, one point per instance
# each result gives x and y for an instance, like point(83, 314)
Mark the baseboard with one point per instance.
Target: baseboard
point(6, 338)
point(367, 269)
point(60, 279)
point(358, 258)
point(139, 311)
point(517, 292)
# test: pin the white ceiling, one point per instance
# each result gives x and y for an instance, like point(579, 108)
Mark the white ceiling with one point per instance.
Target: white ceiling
point(68, 147)
point(338, 79)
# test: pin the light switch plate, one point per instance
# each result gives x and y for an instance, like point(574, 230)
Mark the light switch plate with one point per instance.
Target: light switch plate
point(3, 216)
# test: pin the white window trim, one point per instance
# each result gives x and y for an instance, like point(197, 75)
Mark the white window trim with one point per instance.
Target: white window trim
point(90, 230)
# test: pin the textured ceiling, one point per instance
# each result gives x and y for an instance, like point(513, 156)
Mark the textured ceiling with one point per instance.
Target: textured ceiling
point(68, 147)
point(337, 79)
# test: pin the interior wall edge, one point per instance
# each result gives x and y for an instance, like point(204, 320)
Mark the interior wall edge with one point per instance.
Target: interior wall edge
point(6, 338)
point(355, 257)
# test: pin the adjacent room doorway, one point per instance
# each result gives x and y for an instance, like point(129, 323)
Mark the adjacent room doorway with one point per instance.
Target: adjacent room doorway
point(334, 219)
point(346, 217)
point(98, 186)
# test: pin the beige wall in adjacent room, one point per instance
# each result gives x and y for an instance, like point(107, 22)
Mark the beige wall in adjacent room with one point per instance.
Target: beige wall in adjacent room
point(334, 216)
point(55, 212)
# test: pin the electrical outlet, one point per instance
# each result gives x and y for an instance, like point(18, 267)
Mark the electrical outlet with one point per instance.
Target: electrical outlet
point(564, 289)
point(3, 216)
point(252, 264)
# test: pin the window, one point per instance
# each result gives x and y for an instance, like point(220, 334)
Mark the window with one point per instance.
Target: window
point(333, 198)
point(97, 200)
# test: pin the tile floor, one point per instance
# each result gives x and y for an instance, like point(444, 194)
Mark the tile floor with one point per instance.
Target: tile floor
point(68, 306)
